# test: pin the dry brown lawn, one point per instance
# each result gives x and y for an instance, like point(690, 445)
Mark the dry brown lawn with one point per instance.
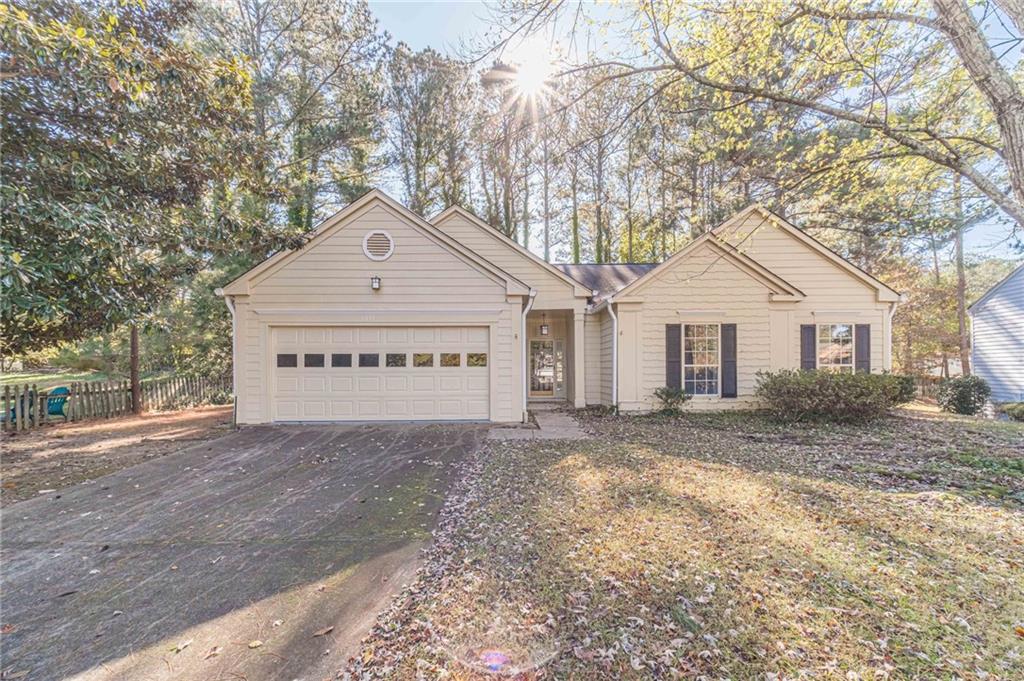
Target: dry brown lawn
point(725, 546)
point(54, 457)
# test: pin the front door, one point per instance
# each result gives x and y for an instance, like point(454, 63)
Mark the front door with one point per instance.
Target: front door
point(542, 368)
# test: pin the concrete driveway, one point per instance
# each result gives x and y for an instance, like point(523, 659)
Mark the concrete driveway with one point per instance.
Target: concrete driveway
point(264, 554)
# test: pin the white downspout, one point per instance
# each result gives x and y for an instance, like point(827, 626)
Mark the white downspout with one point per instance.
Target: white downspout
point(615, 354)
point(230, 302)
point(526, 359)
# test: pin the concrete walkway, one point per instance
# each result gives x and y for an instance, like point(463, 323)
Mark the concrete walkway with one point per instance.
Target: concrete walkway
point(553, 424)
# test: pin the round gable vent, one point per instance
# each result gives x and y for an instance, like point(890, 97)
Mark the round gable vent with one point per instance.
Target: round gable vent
point(378, 245)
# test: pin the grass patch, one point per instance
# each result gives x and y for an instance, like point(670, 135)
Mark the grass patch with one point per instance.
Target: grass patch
point(725, 546)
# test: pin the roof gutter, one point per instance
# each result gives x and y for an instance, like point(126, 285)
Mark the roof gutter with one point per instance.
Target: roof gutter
point(615, 353)
point(230, 302)
point(526, 360)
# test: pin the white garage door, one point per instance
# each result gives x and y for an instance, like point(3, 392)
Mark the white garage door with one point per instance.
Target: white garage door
point(379, 373)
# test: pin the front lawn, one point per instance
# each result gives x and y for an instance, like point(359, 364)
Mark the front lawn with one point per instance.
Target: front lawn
point(725, 546)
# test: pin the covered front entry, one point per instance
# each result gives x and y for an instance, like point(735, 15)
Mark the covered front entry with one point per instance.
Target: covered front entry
point(550, 356)
point(380, 373)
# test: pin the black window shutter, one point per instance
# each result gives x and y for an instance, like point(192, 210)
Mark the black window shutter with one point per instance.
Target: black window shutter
point(808, 352)
point(862, 345)
point(673, 356)
point(728, 360)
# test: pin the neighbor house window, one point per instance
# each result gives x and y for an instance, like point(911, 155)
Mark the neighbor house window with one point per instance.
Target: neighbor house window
point(287, 360)
point(476, 359)
point(423, 359)
point(369, 359)
point(450, 359)
point(835, 347)
point(341, 359)
point(315, 361)
point(395, 359)
point(700, 359)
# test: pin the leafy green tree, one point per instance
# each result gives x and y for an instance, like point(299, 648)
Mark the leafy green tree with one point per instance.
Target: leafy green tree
point(112, 130)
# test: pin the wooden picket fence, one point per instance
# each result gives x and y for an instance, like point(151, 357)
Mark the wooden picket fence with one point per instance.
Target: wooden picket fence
point(26, 407)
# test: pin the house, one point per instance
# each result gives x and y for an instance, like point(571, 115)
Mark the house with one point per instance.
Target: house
point(384, 315)
point(997, 337)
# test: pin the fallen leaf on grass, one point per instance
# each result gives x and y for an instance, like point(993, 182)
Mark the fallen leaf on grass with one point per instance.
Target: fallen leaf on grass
point(277, 623)
point(323, 632)
point(213, 652)
point(1019, 631)
point(181, 646)
point(255, 644)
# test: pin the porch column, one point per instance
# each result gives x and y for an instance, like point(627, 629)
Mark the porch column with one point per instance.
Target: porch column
point(579, 386)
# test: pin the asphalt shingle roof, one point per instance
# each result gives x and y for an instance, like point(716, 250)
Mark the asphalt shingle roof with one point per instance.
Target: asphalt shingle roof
point(608, 278)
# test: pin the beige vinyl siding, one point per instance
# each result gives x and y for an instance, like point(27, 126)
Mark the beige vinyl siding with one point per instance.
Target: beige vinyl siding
point(421, 281)
point(553, 292)
point(834, 295)
point(606, 358)
point(593, 360)
point(703, 288)
point(998, 340)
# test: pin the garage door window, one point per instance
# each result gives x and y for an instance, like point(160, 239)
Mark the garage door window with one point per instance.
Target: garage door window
point(313, 360)
point(476, 359)
point(369, 359)
point(395, 359)
point(423, 359)
point(341, 359)
point(287, 361)
point(450, 359)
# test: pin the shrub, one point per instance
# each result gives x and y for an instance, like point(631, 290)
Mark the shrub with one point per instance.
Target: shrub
point(963, 394)
point(1015, 410)
point(671, 399)
point(907, 388)
point(824, 395)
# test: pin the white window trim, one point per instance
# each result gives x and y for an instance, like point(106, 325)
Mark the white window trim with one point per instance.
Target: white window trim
point(718, 359)
point(853, 348)
point(378, 258)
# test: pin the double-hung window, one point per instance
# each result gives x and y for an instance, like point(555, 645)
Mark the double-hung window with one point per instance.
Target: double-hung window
point(701, 359)
point(835, 347)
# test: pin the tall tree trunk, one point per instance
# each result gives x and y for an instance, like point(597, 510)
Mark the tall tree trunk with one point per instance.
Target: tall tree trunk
point(961, 280)
point(598, 207)
point(526, 208)
point(133, 370)
point(547, 205)
point(938, 282)
point(575, 219)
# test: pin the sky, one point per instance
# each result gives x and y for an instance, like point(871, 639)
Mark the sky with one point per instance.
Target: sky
point(453, 27)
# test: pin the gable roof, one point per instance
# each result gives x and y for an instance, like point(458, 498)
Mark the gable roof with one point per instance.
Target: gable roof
point(579, 288)
point(987, 295)
point(241, 285)
point(781, 290)
point(885, 293)
point(606, 278)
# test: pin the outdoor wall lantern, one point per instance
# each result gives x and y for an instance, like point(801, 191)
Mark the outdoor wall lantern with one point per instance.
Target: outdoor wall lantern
point(375, 282)
point(544, 328)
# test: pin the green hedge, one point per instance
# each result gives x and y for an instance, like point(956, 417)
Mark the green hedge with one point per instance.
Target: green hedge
point(963, 394)
point(824, 395)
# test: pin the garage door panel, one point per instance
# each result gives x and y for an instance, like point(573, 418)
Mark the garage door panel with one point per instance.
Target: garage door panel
point(338, 393)
point(344, 336)
point(368, 384)
point(365, 336)
point(314, 384)
point(287, 384)
point(424, 383)
point(424, 336)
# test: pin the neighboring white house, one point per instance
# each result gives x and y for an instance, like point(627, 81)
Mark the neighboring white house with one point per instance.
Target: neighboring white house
point(997, 337)
point(384, 315)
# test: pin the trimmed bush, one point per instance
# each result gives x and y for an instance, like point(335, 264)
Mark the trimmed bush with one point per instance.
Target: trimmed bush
point(1015, 410)
point(671, 400)
point(824, 395)
point(963, 394)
